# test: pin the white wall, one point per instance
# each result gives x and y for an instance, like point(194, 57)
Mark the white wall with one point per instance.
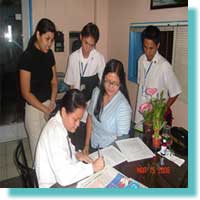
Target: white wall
point(25, 22)
point(68, 15)
point(113, 18)
point(101, 19)
point(121, 14)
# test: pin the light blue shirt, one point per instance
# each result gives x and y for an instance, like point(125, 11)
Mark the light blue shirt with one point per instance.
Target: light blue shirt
point(115, 120)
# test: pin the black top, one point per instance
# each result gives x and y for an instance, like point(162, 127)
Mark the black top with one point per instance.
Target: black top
point(39, 64)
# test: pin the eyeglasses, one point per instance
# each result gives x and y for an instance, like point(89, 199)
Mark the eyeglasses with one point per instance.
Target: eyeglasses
point(111, 83)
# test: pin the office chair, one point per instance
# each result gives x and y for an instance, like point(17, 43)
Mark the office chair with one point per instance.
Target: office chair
point(27, 174)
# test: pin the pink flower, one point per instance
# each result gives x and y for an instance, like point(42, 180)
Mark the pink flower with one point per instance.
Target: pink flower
point(151, 91)
point(146, 107)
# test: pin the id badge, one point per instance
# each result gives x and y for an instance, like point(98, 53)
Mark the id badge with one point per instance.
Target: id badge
point(82, 87)
point(143, 91)
point(144, 96)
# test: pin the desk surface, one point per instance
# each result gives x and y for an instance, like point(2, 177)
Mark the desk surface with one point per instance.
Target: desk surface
point(154, 174)
point(157, 172)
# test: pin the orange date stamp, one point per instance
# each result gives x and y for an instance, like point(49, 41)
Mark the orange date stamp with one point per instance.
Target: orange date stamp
point(153, 170)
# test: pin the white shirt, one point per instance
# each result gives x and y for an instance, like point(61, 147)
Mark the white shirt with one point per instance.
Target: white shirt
point(158, 75)
point(53, 162)
point(95, 65)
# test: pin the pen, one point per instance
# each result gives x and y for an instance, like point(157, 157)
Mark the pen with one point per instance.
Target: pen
point(98, 152)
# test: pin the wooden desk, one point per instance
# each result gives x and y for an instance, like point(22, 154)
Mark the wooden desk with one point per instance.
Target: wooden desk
point(154, 174)
point(157, 172)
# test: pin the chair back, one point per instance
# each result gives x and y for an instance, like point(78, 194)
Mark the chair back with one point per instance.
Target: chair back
point(28, 174)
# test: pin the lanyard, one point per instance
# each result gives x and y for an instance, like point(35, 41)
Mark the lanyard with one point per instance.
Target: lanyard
point(145, 75)
point(82, 68)
point(70, 150)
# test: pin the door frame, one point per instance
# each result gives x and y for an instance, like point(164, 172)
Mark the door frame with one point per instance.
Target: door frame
point(26, 21)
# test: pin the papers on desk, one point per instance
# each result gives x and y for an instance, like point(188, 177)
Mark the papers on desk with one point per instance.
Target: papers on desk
point(109, 178)
point(173, 158)
point(134, 149)
point(112, 156)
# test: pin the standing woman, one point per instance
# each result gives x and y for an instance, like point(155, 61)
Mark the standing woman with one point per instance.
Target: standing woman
point(38, 80)
point(109, 112)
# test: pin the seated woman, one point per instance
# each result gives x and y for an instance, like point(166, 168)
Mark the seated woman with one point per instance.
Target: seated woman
point(109, 110)
point(57, 164)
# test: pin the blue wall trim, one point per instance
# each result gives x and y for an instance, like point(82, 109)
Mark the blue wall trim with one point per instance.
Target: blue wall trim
point(30, 18)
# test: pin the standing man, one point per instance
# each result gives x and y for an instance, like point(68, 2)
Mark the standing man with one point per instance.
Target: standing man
point(85, 69)
point(154, 71)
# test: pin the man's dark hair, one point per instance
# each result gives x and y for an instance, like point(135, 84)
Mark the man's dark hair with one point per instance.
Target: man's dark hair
point(151, 33)
point(92, 30)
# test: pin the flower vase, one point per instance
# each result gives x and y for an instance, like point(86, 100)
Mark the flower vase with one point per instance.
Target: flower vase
point(156, 142)
point(148, 131)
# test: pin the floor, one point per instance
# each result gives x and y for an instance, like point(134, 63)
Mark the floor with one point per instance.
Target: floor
point(9, 176)
point(8, 172)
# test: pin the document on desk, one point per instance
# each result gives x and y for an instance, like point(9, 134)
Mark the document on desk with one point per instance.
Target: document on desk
point(109, 178)
point(111, 154)
point(178, 161)
point(134, 149)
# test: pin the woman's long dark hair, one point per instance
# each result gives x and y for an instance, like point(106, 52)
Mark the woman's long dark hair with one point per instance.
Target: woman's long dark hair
point(112, 66)
point(44, 25)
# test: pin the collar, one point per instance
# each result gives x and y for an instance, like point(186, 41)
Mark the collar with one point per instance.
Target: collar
point(59, 119)
point(37, 51)
point(155, 58)
point(91, 55)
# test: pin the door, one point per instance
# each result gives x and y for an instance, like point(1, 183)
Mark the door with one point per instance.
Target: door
point(11, 47)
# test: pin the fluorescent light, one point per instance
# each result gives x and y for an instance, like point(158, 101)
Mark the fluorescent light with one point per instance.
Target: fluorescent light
point(8, 35)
